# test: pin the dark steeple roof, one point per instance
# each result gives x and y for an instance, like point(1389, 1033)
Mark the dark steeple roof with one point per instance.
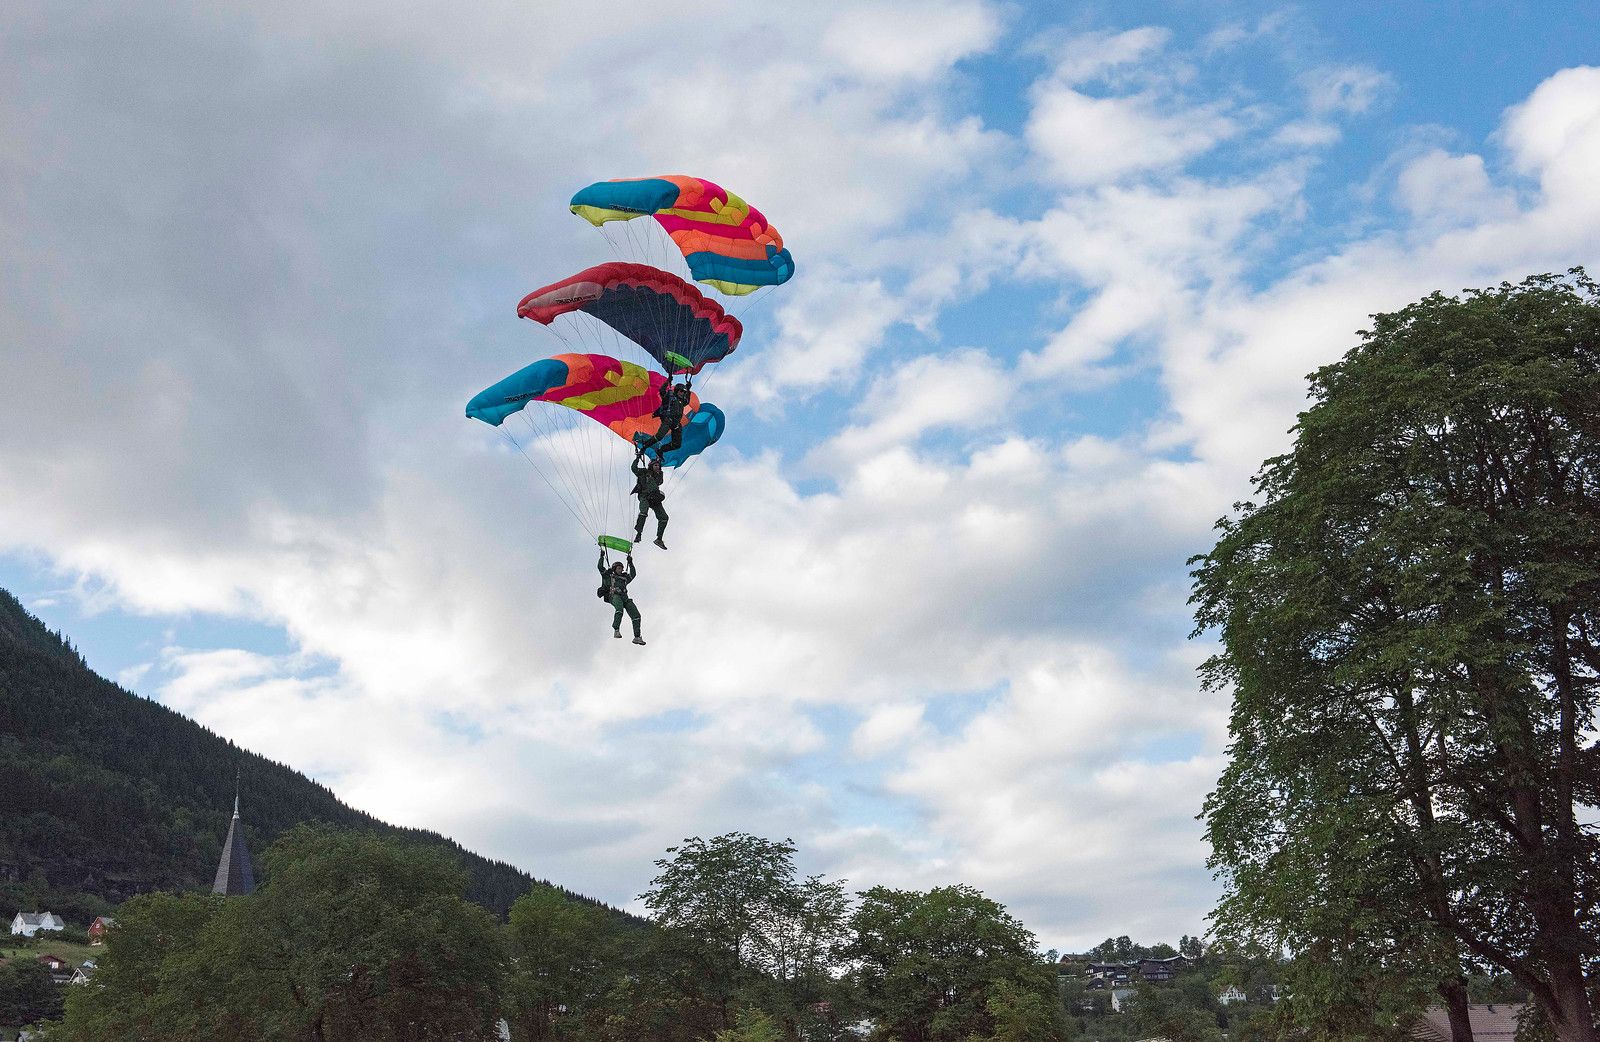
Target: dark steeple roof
point(234, 875)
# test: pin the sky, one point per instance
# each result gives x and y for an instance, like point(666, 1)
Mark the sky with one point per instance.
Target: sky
point(1062, 270)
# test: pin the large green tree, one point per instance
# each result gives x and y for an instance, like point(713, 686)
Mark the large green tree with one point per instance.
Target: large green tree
point(351, 937)
point(948, 963)
point(565, 957)
point(1410, 626)
point(763, 936)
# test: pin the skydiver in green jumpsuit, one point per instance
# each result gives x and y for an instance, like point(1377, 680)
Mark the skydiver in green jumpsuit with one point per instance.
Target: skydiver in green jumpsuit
point(648, 477)
point(674, 399)
point(615, 582)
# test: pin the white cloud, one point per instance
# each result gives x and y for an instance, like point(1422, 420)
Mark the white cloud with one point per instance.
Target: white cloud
point(1088, 56)
point(1439, 188)
point(886, 728)
point(916, 42)
point(1555, 134)
point(965, 389)
point(1086, 140)
point(1306, 134)
point(1351, 89)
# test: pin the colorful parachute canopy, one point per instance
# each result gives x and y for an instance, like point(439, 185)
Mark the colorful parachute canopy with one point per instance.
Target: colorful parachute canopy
point(616, 394)
point(700, 431)
point(727, 242)
point(678, 326)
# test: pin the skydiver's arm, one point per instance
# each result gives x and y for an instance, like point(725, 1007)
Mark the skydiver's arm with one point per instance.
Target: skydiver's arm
point(632, 571)
point(602, 564)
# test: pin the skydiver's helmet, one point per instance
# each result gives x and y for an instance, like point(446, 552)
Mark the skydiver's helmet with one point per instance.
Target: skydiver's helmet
point(617, 567)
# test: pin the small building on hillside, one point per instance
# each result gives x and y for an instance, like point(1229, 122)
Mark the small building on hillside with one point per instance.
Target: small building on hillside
point(82, 974)
point(1232, 993)
point(31, 924)
point(1491, 1022)
point(98, 928)
point(1110, 972)
point(1162, 969)
point(60, 971)
point(1120, 997)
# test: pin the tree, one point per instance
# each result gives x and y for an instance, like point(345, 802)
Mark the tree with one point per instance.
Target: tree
point(564, 960)
point(351, 937)
point(1409, 627)
point(1022, 1014)
point(928, 964)
point(1164, 1013)
point(762, 936)
point(27, 994)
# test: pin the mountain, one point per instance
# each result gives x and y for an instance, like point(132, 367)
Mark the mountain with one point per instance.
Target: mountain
point(104, 794)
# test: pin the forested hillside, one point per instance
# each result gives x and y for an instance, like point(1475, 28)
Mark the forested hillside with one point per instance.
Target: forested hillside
point(104, 794)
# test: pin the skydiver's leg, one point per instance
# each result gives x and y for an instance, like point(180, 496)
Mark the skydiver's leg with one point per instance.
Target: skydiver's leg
point(675, 441)
point(644, 510)
point(633, 615)
point(616, 620)
point(659, 506)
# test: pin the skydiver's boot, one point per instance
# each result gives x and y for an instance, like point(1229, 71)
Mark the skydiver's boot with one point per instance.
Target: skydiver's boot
point(660, 543)
point(636, 640)
point(617, 633)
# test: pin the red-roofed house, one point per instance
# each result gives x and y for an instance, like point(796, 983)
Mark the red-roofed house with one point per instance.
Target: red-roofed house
point(98, 928)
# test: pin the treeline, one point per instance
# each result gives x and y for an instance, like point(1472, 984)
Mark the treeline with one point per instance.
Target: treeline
point(353, 936)
point(105, 795)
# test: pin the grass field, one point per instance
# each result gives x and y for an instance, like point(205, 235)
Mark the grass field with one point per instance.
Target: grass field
point(73, 953)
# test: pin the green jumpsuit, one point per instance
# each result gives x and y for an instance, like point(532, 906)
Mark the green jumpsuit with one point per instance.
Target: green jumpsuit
point(647, 486)
point(617, 594)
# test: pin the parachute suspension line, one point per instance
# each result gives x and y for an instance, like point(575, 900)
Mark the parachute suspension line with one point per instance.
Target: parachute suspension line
point(565, 443)
point(542, 434)
point(537, 470)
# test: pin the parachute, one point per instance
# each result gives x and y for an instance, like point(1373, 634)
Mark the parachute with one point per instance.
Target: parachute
point(727, 243)
point(584, 415)
point(619, 395)
point(674, 323)
point(581, 417)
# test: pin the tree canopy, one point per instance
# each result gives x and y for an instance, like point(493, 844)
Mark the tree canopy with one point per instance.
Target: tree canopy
point(1408, 625)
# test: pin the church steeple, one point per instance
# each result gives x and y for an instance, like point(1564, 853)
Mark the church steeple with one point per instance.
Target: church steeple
point(234, 875)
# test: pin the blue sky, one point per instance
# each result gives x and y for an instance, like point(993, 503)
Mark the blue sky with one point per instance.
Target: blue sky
point(1061, 272)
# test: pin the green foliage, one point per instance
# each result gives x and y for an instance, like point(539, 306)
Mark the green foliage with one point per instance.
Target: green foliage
point(566, 957)
point(751, 1025)
point(1409, 623)
point(1022, 1014)
point(1168, 1013)
point(926, 965)
point(351, 937)
point(758, 934)
point(105, 795)
point(27, 994)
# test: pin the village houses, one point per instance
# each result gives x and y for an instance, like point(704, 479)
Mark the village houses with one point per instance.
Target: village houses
point(31, 924)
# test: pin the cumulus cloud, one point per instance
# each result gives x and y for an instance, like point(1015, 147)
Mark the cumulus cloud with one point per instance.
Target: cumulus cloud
point(1086, 140)
point(1350, 89)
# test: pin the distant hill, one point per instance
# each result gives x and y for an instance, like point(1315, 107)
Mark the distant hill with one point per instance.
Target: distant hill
point(104, 794)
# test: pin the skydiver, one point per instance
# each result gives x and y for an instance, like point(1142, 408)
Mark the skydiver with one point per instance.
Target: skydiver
point(674, 400)
point(614, 581)
point(648, 477)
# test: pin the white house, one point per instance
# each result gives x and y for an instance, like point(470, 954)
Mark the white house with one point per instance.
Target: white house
point(27, 924)
point(1232, 993)
point(1120, 997)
